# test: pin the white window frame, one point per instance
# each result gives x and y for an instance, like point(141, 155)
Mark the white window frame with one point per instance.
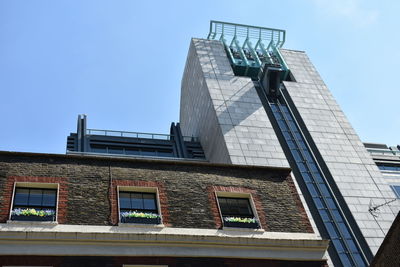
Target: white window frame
point(38, 185)
point(140, 189)
point(238, 195)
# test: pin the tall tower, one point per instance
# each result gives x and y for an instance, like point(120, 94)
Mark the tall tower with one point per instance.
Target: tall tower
point(251, 102)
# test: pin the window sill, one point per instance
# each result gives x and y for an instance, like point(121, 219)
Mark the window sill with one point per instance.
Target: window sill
point(141, 225)
point(242, 229)
point(33, 222)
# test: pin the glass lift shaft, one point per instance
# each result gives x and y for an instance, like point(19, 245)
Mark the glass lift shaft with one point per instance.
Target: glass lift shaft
point(339, 233)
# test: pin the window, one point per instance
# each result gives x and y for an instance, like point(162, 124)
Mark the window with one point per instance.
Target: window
point(237, 212)
point(139, 207)
point(396, 189)
point(389, 167)
point(34, 204)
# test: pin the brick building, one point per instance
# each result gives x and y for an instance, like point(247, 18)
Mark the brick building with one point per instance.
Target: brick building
point(192, 200)
point(262, 169)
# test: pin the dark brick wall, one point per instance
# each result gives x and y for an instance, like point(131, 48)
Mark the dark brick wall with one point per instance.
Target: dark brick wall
point(184, 189)
point(169, 261)
point(389, 252)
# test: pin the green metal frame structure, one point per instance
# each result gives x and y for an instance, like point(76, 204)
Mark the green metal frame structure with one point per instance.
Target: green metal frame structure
point(248, 59)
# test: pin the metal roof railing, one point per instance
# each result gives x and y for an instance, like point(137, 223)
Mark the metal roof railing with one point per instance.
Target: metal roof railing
point(137, 135)
point(250, 47)
point(219, 29)
point(388, 152)
point(128, 134)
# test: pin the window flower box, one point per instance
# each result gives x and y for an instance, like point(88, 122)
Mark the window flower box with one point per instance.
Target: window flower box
point(241, 222)
point(140, 218)
point(32, 215)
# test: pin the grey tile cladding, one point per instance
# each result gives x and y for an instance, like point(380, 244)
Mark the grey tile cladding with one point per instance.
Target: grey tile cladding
point(351, 166)
point(225, 111)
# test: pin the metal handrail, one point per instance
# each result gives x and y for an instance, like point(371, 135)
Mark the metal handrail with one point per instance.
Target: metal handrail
point(137, 135)
point(254, 46)
point(132, 156)
point(383, 151)
point(128, 134)
point(218, 28)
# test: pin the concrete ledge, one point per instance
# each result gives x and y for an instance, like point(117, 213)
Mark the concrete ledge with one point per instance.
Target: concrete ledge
point(85, 240)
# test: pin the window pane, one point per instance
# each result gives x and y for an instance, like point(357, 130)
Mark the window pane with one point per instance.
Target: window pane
point(302, 145)
point(165, 153)
point(49, 198)
point(331, 230)
point(312, 190)
point(306, 176)
point(244, 207)
point(132, 152)
point(136, 201)
point(313, 167)
point(324, 215)
point(291, 144)
point(149, 201)
point(99, 150)
point(337, 216)
point(148, 153)
point(296, 155)
point(235, 207)
point(115, 150)
point(292, 125)
point(124, 200)
point(298, 136)
point(21, 197)
point(331, 203)
point(318, 203)
point(338, 245)
point(324, 190)
point(345, 259)
point(307, 156)
point(318, 177)
point(284, 109)
point(302, 167)
point(344, 230)
point(352, 245)
point(35, 197)
point(396, 189)
point(223, 205)
point(358, 259)
point(287, 136)
point(282, 125)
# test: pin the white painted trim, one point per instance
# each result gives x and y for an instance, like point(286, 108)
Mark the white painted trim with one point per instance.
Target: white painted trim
point(86, 240)
point(238, 195)
point(12, 202)
point(139, 189)
point(38, 185)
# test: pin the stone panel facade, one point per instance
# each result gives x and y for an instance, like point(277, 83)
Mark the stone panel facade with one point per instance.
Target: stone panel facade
point(225, 111)
point(352, 167)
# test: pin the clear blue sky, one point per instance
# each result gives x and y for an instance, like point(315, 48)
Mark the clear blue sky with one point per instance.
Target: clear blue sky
point(121, 62)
